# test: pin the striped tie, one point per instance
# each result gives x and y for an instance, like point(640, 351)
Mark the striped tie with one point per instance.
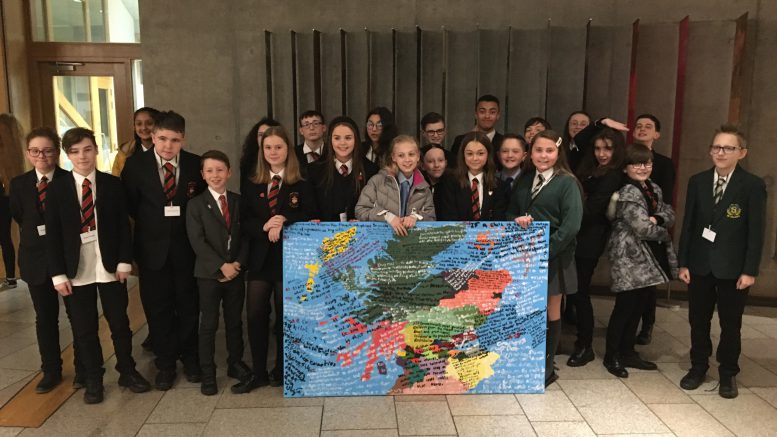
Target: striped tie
point(43, 185)
point(719, 189)
point(344, 170)
point(169, 185)
point(225, 211)
point(538, 187)
point(272, 197)
point(87, 207)
point(314, 156)
point(475, 200)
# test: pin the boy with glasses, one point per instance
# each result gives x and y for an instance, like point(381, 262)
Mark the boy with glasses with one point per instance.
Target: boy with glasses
point(312, 129)
point(433, 129)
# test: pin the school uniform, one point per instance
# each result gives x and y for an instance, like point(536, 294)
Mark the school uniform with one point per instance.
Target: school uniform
point(452, 202)
point(737, 221)
point(28, 198)
point(296, 202)
point(496, 141)
point(337, 201)
point(306, 156)
point(90, 258)
point(164, 255)
point(213, 227)
point(9, 253)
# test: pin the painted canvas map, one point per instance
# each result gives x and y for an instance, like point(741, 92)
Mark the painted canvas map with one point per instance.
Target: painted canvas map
point(454, 307)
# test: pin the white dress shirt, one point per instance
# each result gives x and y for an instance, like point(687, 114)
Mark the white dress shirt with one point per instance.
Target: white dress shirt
point(307, 150)
point(725, 184)
point(272, 175)
point(348, 164)
point(160, 162)
point(547, 174)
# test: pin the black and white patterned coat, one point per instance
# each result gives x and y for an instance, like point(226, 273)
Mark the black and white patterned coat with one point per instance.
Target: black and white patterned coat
point(632, 262)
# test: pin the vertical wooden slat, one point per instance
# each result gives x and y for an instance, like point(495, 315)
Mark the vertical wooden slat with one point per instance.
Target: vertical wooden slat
point(294, 84)
point(632, 104)
point(418, 79)
point(738, 71)
point(268, 67)
point(344, 71)
point(444, 78)
point(368, 95)
point(585, 64)
point(317, 69)
point(509, 52)
point(394, 78)
point(679, 101)
point(547, 69)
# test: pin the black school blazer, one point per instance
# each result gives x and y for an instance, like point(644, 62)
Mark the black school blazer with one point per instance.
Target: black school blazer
point(454, 203)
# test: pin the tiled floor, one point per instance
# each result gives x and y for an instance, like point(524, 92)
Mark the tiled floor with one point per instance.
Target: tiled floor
point(586, 401)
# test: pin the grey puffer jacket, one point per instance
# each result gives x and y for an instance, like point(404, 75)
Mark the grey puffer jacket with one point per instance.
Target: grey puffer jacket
point(379, 200)
point(632, 263)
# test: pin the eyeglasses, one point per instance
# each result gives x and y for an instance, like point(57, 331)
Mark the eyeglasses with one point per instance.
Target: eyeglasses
point(45, 152)
point(311, 125)
point(641, 165)
point(715, 149)
point(371, 125)
point(435, 132)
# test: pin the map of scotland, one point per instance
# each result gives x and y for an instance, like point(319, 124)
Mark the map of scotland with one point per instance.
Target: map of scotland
point(454, 307)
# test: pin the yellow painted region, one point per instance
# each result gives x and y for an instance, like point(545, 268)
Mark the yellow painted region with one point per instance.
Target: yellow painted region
point(337, 244)
point(471, 371)
point(312, 272)
point(413, 337)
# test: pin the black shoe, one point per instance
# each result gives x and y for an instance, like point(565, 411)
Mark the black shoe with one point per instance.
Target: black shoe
point(164, 380)
point(616, 367)
point(248, 384)
point(551, 379)
point(48, 382)
point(581, 356)
point(239, 371)
point(94, 392)
point(693, 379)
point(276, 378)
point(192, 375)
point(79, 381)
point(728, 387)
point(209, 386)
point(134, 381)
point(147, 344)
point(635, 362)
point(645, 336)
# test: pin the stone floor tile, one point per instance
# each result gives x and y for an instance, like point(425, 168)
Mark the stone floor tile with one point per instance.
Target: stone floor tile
point(9, 392)
point(419, 398)
point(757, 319)
point(674, 372)
point(13, 345)
point(171, 430)
point(11, 328)
point(27, 358)
point(183, 405)
point(754, 374)
point(12, 376)
point(260, 422)
point(359, 412)
point(10, 431)
point(551, 406)
point(664, 348)
point(769, 330)
point(261, 397)
point(769, 394)
point(609, 406)
point(689, 420)
point(424, 418)
point(361, 433)
point(747, 415)
point(761, 350)
point(493, 426)
point(566, 429)
point(654, 388)
point(484, 405)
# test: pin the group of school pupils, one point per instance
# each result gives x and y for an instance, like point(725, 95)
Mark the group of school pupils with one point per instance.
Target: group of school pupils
point(199, 246)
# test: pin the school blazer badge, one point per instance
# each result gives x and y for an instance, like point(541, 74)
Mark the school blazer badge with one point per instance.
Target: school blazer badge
point(294, 199)
point(734, 211)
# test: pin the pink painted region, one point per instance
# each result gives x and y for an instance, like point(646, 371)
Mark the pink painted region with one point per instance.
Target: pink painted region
point(431, 386)
point(348, 356)
point(356, 327)
point(386, 339)
point(484, 290)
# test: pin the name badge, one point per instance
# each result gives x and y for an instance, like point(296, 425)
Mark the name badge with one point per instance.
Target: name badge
point(41, 230)
point(172, 211)
point(88, 237)
point(708, 234)
point(343, 217)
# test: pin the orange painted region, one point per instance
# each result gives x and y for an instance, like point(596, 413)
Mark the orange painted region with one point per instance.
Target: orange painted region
point(483, 242)
point(386, 339)
point(481, 290)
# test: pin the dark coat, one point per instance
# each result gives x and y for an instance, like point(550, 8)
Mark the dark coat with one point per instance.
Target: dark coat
point(663, 175)
point(341, 196)
point(595, 226)
point(452, 202)
point(738, 220)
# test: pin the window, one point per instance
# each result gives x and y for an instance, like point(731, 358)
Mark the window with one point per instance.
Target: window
point(97, 21)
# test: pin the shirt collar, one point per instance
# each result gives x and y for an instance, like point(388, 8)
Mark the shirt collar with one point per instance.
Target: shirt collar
point(307, 148)
point(272, 175)
point(161, 161)
point(727, 178)
point(491, 134)
point(80, 179)
point(217, 195)
point(401, 178)
point(547, 174)
point(49, 175)
point(514, 174)
point(479, 177)
point(348, 164)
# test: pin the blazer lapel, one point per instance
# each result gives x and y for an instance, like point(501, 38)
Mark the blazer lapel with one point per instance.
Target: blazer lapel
point(215, 208)
point(152, 169)
point(732, 190)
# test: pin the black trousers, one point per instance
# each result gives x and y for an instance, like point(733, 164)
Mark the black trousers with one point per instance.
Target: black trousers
point(6, 244)
point(170, 301)
point(582, 301)
point(45, 301)
point(231, 296)
point(649, 313)
point(258, 317)
point(622, 328)
point(84, 321)
point(704, 292)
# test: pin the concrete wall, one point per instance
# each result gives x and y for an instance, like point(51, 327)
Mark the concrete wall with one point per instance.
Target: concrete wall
point(209, 62)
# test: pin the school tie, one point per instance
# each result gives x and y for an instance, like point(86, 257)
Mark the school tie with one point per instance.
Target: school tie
point(314, 156)
point(225, 211)
point(169, 185)
point(87, 207)
point(719, 189)
point(344, 170)
point(404, 190)
point(538, 187)
point(509, 182)
point(475, 200)
point(272, 197)
point(43, 185)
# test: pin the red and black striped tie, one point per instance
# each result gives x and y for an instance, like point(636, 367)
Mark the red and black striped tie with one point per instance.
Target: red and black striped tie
point(87, 207)
point(43, 185)
point(225, 211)
point(169, 181)
point(475, 200)
point(272, 197)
